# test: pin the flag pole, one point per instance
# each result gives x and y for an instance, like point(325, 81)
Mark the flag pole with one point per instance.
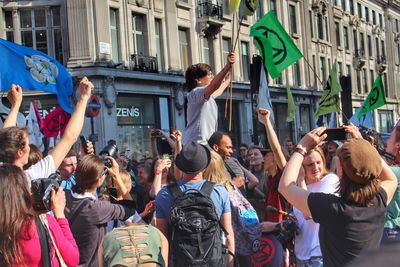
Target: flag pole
point(316, 75)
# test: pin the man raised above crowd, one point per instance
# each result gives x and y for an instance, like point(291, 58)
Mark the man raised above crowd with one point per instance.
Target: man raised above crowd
point(14, 141)
point(202, 110)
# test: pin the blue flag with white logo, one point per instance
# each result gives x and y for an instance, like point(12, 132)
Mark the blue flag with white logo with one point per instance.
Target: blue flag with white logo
point(34, 70)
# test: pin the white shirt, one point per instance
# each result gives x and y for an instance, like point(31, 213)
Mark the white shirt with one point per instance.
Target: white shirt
point(307, 242)
point(42, 169)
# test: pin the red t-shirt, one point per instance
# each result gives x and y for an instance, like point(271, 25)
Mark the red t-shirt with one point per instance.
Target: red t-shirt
point(274, 198)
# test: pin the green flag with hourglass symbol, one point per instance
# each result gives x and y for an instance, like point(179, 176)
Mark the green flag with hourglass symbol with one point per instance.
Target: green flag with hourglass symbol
point(276, 47)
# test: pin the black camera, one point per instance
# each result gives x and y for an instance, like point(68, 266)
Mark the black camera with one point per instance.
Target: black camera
point(287, 234)
point(110, 150)
point(41, 191)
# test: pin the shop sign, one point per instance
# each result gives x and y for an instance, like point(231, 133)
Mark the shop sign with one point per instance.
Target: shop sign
point(128, 112)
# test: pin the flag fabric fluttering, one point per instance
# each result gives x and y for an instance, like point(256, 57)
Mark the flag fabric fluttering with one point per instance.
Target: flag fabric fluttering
point(366, 121)
point(375, 99)
point(291, 106)
point(276, 47)
point(234, 5)
point(34, 70)
point(264, 98)
point(330, 97)
point(55, 123)
point(249, 7)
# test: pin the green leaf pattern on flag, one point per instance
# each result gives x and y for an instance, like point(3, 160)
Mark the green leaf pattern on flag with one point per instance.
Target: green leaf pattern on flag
point(330, 97)
point(375, 99)
point(276, 47)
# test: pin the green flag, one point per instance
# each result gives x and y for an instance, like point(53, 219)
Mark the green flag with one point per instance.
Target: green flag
point(375, 99)
point(330, 97)
point(234, 5)
point(276, 47)
point(291, 106)
point(249, 7)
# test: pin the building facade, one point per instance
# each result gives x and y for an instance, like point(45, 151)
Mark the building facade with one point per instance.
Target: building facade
point(136, 51)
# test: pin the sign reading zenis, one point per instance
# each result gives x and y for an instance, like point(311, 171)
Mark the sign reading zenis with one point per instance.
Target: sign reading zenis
point(128, 112)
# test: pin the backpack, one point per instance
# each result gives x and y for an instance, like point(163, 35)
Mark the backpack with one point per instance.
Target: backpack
point(246, 225)
point(196, 232)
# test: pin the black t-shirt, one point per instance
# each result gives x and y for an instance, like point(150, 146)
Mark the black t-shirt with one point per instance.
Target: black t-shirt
point(346, 228)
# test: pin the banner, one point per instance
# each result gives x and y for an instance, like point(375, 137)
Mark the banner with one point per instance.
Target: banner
point(276, 47)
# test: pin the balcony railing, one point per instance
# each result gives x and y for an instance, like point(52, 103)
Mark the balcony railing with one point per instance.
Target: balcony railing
point(144, 63)
point(208, 9)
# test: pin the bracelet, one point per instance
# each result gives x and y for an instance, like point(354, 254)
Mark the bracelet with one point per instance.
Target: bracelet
point(157, 172)
point(301, 151)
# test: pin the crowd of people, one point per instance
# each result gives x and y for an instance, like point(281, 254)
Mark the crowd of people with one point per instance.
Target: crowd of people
point(207, 203)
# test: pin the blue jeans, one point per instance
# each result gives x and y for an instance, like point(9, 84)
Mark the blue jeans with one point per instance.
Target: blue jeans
point(311, 262)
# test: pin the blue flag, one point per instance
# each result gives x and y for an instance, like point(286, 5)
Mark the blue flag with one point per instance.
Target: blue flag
point(264, 98)
point(367, 120)
point(34, 70)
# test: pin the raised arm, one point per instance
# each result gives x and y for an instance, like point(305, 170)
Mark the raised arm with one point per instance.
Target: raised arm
point(272, 138)
point(388, 181)
point(219, 78)
point(75, 124)
point(287, 186)
point(15, 98)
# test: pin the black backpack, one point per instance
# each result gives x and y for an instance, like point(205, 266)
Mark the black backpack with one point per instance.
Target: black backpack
point(196, 232)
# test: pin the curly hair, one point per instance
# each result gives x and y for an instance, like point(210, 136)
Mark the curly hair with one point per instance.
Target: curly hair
point(194, 72)
point(12, 139)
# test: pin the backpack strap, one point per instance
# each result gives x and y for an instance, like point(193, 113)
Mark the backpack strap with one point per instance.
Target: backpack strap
point(207, 188)
point(175, 190)
point(44, 243)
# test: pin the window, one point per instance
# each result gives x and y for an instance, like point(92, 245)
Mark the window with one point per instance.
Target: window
point(385, 118)
point(358, 82)
point(226, 47)
point(159, 44)
point(365, 80)
point(398, 53)
point(346, 38)
point(9, 23)
point(41, 30)
point(272, 6)
point(348, 70)
point(397, 25)
point(383, 48)
point(326, 29)
point(362, 43)
point(311, 23)
point(245, 61)
point(206, 51)
point(114, 25)
point(337, 31)
point(314, 67)
point(343, 5)
point(292, 19)
point(139, 32)
point(373, 17)
point(369, 40)
point(371, 77)
point(296, 74)
point(322, 67)
point(305, 120)
point(184, 48)
point(320, 27)
point(384, 78)
point(380, 20)
point(355, 41)
point(351, 5)
point(359, 10)
point(334, 2)
point(377, 47)
point(340, 69)
point(366, 14)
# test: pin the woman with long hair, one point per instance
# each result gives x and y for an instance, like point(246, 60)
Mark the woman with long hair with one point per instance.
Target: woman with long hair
point(317, 179)
point(20, 241)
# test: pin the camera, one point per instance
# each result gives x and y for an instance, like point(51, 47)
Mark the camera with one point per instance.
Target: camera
point(41, 192)
point(288, 233)
point(110, 150)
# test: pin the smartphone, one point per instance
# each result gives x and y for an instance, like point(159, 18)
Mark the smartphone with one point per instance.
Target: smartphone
point(83, 142)
point(335, 134)
point(166, 156)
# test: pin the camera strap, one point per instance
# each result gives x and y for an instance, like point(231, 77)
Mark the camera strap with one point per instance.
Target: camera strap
point(44, 243)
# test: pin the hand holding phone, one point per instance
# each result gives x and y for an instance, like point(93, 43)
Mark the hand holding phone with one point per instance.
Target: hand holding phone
point(83, 143)
point(334, 134)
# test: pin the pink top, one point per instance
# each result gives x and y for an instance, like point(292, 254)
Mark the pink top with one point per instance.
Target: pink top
point(30, 245)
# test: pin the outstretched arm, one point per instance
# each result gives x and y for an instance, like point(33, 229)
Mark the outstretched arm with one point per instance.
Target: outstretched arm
point(218, 79)
point(272, 138)
point(15, 99)
point(75, 124)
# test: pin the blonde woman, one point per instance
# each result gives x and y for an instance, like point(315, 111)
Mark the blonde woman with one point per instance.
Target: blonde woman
point(245, 222)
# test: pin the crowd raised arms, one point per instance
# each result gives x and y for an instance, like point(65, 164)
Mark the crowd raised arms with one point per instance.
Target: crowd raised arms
point(323, 203)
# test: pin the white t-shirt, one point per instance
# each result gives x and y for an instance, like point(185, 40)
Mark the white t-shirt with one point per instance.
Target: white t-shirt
point(202, 117)
point(42, 169)
point(307, 242)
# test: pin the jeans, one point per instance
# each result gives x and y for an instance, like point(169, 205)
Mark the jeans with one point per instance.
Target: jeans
point(311, 262)
point(390, 235)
